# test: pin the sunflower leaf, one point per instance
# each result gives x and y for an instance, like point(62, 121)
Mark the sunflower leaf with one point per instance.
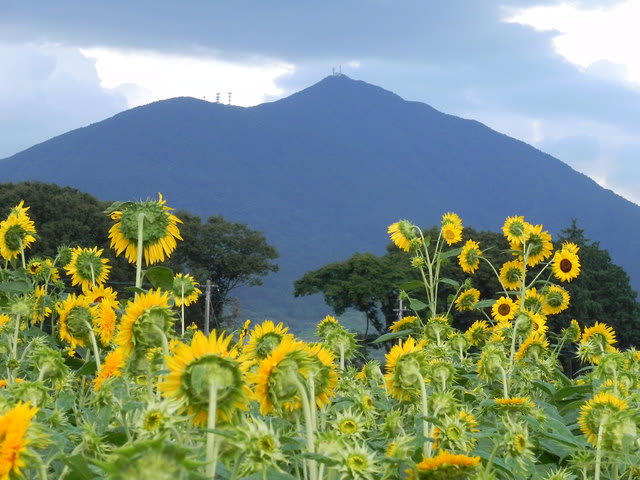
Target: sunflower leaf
point(484, 304)
point(449, 281)
point(417, 305)
point(391, 336)
point(450, 253)
point(160, 277)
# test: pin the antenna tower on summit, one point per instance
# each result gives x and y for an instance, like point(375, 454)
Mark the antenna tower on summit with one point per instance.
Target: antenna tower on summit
point(229, 97)
point(218, 97)
point(337, 73)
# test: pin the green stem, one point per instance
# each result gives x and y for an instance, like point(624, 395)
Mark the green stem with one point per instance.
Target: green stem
point(163, 339)
point(341, 347)
point(182, 308)
point(309, 427)
point(140, 250)
point(211, 436)
point(505, 382)
point(24, 263)
point(93, 276)
point(94, 344)
point(428, 445)
point(599, 448)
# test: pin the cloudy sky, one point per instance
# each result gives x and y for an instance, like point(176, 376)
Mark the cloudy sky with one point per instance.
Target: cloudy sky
point(562, 76)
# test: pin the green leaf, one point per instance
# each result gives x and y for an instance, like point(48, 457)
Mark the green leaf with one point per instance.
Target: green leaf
point(160, 277)
point(451, 282)
point(416, 305)
point(570, 391)
point(79, 468)
point(391, 336)
point(15, 287)
point(450, 253)
point(410, 286)
point(484, 304)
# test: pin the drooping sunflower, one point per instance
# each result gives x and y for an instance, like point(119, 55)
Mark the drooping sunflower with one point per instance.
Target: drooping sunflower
point(556, 300)
point(76, 318)
point(324, 371)
point(467, 299)
point(87, 268)
point(511, 274)
point(403, 323)
point(159, 229)
point(528, 322)
point(444, 465)
point(17, 233)
point(539, 245)
point(402, 234)
point(566, 265)
point(603, 407)
point(469, 258)
point(15, 426)
point(144, 321)
point(326, 326)
point(515, 403)
point(514, 229)
point(406, 364)
point(263, 339)
point(534, 346)
point(279, 376)
point(601, 334)
point(478, 332)
point(504, 309)
point(41, 302)
point(185, 289)
point(113, 364)
point(197, 368)
point(451, 218)
point(533, 300)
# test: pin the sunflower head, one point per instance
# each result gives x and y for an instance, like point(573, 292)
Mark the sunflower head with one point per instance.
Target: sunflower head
point(608, 412)
point(403, 234)
point(467, 299)
point(469, 258)
point(452, 233)
point(18, 434)
point(512, 274)
point(154, 219)
point(566, 265)
point(445, 465)
point(478, 332)
point(406, 368)
point(87, 268)
point(556, 300)
point(504, 309)
point(76, 317)
point(514, 229)
point(263, 339)
point(17, 233)
point(185, 289)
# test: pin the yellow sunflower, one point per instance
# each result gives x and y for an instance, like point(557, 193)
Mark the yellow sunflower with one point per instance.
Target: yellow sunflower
point(602, 407)
point(14, 440)
point(452, 218)
point(534, 345)
point(106, 320)
point(278, 378)
point(144, 321)
point(600, 333)
point(467, 299)
point(539, 245)
point(405, 361)
point(113, 364)
point(197, 368)
point(515, 403)
point(324, 370)
point(533, 300)
point(326, 326)
point(511, 274)
point(478, 332)
point(185, 289)
point(263, 339)
point(402, 233)
point(87, 268)
point(403, 323)
point(41, 309)
point(99, 293)
point(159, 233)
point(76, 317)
point(17, 233)
point(469, 258)
point(514, 229)
point(451, 233)
point(566, 265)
point(444, 465)
point(504, 309)
point(556, 300)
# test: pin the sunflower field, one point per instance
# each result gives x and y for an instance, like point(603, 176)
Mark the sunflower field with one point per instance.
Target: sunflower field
point(94, 386)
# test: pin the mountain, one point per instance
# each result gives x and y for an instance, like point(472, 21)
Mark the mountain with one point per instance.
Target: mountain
point(323, 172)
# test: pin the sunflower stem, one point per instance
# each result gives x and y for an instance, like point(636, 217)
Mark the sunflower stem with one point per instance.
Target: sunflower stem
point(427, 446)
point(94, 344)
point(24, 263)
point(309, 426)
point(140, 250)
point(93, 275)
point(182, 308)
point(341, 347)
point(505, 382)
point(163, 339)
point(211, 425)
point(599, 448)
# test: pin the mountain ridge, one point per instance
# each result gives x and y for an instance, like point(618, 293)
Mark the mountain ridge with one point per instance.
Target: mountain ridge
point(324, 171)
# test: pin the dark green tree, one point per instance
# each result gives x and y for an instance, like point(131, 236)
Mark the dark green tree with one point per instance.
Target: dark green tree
point(602, 292)
point(229, 254)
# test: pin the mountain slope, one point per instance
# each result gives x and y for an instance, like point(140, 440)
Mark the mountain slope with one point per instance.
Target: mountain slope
point(323, 172)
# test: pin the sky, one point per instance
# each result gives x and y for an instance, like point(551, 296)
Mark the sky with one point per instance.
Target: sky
point(561, 76)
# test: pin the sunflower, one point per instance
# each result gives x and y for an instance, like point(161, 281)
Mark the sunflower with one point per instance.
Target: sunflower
point(451, 233)
point(451, 218)
point(566, 265)
point(539, 245)
point(478, 332)
point(41, 309)
point(515, 403)
point(76, 317)
point(445, 465)
point(534, 345)
point(144, 320)
point(403, 323)
point(325, 376)
point(113, 364)
point(511, 274)
point(15, 427)
point(263, 339)
point(514, 229)
point(17, 233)
point(528, 322)
point(87, 268)
point(279, 375)
point(533, 300)
point(326, 326)
point(99, 293)
point(467, 299)
point(185, 289)
point(600, 334)
point(35, 266)
point(406, 364)
point(603, 407)
point(504, 309)
point(106, 320)
point(197, 368)
point(402, 234)
point(159, 230)
point(556, 300)
point(469, 258)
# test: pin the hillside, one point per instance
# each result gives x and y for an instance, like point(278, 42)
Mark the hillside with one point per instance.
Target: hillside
point(323, 172)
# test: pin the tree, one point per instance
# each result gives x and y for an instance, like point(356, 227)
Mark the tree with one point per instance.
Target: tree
point(227, 253)
point(602, 292)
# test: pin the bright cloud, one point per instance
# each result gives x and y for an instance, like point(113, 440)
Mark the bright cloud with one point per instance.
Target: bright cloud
point(144, 77)
point(587, 36)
